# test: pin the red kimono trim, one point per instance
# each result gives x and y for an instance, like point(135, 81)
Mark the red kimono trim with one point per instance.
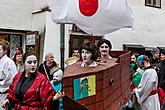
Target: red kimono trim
point(37, 97)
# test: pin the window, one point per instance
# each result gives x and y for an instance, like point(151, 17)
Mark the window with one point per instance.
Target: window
point(78, 37)
point(153, 3)
point(77, 40)
point(15, 40)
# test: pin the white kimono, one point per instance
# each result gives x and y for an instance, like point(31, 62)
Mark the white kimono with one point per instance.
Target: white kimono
point(7, 72)
point(148, 83)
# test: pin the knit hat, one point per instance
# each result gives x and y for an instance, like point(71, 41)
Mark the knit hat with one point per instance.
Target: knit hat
point(140, 60)
point(57, 73)
point(155, 50)
point(163, 52)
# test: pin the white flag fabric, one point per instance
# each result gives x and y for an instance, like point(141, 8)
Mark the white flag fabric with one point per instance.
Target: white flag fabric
point(95, 17)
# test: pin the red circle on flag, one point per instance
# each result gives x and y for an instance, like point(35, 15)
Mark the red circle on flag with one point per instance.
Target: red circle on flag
point(88, 7)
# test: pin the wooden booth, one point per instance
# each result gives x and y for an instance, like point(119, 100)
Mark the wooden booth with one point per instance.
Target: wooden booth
point(105, 87)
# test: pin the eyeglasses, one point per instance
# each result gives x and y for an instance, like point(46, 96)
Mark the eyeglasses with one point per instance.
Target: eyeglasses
point(30, 62)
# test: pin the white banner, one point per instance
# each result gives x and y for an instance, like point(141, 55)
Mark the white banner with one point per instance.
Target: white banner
point(95, 17)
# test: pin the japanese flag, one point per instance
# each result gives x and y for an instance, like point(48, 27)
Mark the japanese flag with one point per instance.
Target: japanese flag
point(95, 17)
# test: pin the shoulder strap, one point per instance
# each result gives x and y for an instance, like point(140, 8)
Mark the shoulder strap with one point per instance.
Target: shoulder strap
point(46, 72)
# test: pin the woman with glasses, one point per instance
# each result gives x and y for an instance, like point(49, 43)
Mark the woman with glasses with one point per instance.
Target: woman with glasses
point(30, 89)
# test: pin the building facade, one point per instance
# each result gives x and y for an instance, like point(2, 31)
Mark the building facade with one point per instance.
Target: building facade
point(149, 25)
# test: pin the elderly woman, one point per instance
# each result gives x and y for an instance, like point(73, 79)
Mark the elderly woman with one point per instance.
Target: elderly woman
point(88, 54)
point(7, 70)
point(31, 90)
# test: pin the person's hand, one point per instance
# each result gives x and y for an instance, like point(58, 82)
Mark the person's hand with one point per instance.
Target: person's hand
point(135, 90)
point(58, 95)
point(5, 102)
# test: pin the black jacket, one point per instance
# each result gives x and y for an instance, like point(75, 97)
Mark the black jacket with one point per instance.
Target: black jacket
point(161, 75)
point(42, 70)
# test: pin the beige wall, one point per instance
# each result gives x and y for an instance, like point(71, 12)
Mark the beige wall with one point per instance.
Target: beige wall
point(16, 14)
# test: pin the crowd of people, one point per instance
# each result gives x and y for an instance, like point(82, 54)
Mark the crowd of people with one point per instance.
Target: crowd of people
point(26, 86)
point(148, 80)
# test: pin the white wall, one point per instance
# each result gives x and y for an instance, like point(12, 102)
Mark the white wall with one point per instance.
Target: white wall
point(163, 4)
point(68, 27)
point(39, 22)
point(149, 29)
point(38, 4)
point(137, 2)
point(52, 38)
point(16, 14)
point(142, 3)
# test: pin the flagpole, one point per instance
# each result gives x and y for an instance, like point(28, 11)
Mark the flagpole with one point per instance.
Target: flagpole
point(62, 44)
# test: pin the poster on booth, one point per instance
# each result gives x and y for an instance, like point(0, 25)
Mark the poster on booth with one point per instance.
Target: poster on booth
point(84, 87)
point(95, 17)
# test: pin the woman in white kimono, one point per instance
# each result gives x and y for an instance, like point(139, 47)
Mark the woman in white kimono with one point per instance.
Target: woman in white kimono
point(146, 93)
point(7, 70)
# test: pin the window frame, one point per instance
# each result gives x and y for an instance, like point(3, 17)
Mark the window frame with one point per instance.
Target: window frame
point(152, 4)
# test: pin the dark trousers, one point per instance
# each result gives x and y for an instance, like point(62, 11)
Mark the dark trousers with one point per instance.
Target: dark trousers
point(164, 106)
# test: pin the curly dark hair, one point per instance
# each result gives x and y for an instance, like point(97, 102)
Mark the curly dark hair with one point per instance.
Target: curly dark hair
point(102, 41)
point(27, 54)
point(89, 47)
point(163, 52)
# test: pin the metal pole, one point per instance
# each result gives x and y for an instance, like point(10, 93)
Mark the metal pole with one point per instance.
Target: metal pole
point(62, 44)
